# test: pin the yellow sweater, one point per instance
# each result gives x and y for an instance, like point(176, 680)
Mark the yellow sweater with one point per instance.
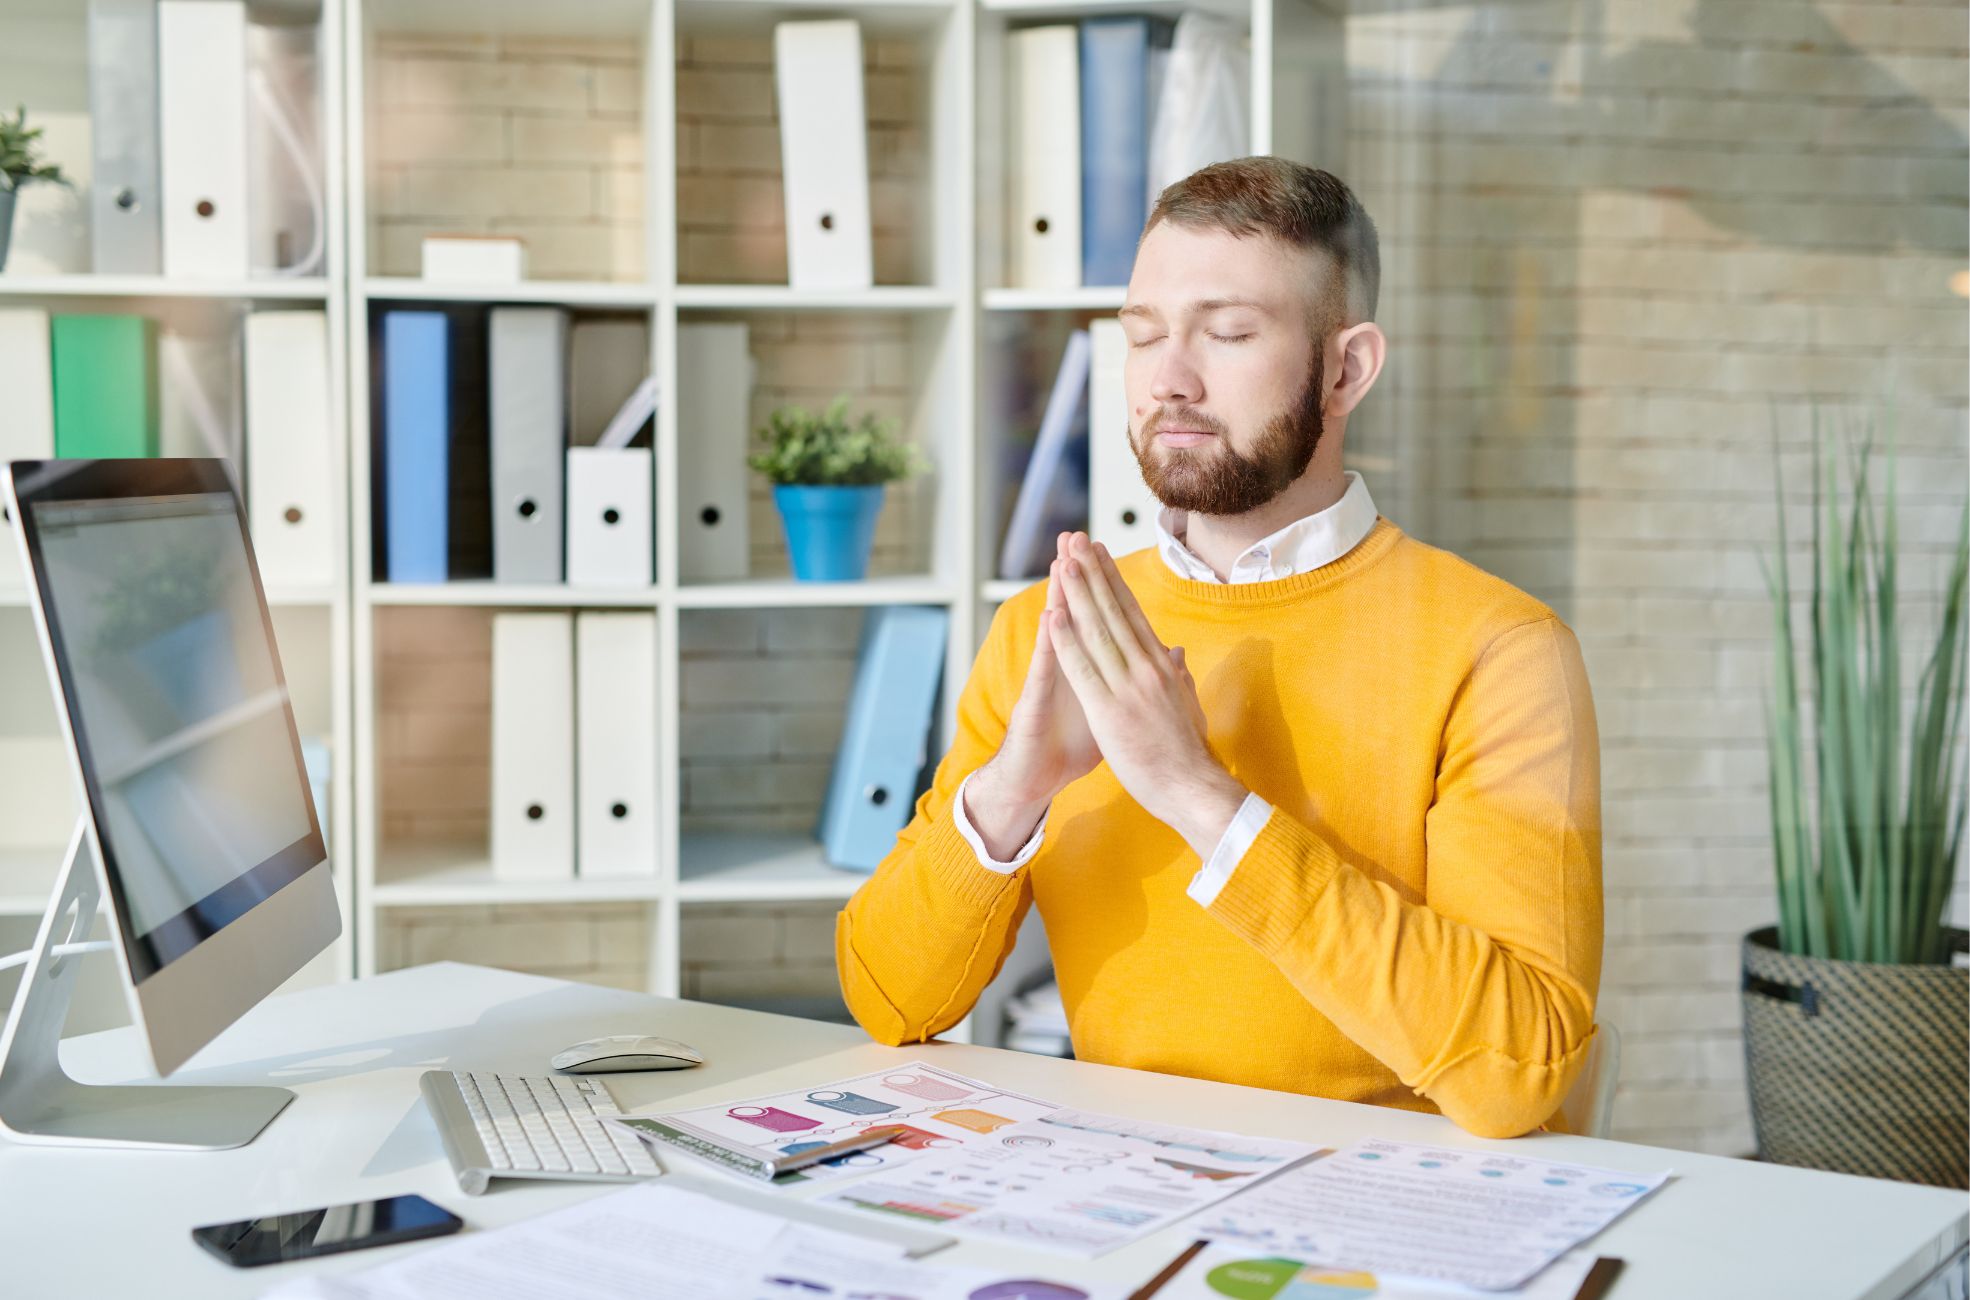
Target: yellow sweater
point(1419, 923)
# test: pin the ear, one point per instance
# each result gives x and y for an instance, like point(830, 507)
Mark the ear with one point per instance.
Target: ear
point(1353, 362)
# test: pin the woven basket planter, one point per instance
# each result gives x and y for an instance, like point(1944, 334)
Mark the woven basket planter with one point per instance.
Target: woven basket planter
point(1858, 1067)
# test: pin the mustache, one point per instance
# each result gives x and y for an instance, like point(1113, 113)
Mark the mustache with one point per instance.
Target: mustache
point(1180, 417)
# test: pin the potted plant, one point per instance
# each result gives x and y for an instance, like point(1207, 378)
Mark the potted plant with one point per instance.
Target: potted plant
point(1854, 1011)
point(19, 166)
point(828, 476)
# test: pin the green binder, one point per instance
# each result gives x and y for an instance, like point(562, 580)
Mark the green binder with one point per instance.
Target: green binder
point(105, 370)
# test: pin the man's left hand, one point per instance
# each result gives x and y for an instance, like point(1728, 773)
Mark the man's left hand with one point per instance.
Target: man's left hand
point(1140, 700)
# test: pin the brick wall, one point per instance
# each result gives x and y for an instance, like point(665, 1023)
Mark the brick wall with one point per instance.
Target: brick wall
point(1621, 241)
point(535, 137)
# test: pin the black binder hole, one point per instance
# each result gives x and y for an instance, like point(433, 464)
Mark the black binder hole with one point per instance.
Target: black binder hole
point(126, 199)
point(618, 810)
point(1040, 225)
point(878, 795)
point(205, 208)
point(527, 508)
point(827, 221)
point(710, 516)
point(1128, 516)
point(292, 514)
point(611, 516)
point(535, 812)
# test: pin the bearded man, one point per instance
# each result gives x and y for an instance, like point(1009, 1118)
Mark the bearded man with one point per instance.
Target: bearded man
point(1304, 803)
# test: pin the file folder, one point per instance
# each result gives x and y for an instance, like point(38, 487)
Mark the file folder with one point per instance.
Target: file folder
point(1115, 120)
point(873, 787)
point(1047, 504)
point(1043, 92)
point(283, 120)
point(824, 152)
point(28, 431)
point(533, 747)
point(469, 525)
point(616, 744)
point(609, 502)
point(416, 455)
point(105, 384)
point(289, 468)
point(1121, 511)
point(714, 395)
point(529, 382)
point(125, 199)
point(201, 61)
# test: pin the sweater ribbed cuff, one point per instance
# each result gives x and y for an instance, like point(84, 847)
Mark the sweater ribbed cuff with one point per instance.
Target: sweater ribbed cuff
point(1276, 883)
point(951, 861)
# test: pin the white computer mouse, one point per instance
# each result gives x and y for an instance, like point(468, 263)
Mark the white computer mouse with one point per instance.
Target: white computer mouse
point(626, 1052)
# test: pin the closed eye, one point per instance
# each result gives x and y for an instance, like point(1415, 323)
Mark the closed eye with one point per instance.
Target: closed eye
point(1228, 338)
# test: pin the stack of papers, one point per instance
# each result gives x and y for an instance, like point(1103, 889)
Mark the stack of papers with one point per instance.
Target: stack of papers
point(1481, 1219)
point(659, 1242)
point(1073, 1183)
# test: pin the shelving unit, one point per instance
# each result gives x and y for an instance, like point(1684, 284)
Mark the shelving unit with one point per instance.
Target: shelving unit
point(43, 55)
point(678, 226)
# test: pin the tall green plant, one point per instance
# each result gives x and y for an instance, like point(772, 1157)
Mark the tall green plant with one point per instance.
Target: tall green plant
point(19, 147)
point(1864, 865)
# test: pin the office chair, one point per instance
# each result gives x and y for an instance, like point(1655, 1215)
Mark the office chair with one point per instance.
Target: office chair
point(1589, 1106)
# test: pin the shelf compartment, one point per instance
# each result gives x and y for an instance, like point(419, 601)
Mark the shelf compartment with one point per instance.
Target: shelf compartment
point(738, 867)
point(440, 874)
point(568, 293)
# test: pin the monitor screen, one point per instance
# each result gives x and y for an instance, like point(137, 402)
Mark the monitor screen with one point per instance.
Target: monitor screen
point(180, 714)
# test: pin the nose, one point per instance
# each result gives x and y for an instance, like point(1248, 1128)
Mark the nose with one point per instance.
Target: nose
point(1176, 381)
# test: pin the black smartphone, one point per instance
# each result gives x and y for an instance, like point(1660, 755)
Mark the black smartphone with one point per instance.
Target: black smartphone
point(329, 1231)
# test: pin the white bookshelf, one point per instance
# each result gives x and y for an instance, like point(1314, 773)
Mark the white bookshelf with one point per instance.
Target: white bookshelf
point(43, 56)
point(941, 291)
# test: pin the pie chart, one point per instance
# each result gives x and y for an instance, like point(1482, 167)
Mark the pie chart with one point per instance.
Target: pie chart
point(1287, 1279)
point(1023, 1290)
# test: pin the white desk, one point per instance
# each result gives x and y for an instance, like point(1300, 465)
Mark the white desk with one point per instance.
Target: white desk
point(81, 1223)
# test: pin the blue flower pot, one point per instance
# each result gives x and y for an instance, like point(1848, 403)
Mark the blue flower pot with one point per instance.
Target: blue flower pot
point(829, 530)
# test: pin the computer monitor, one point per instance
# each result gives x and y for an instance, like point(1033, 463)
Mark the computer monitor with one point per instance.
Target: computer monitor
point(196, 806)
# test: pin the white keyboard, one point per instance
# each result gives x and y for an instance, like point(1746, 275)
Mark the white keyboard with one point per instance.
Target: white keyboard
point(531, 1126)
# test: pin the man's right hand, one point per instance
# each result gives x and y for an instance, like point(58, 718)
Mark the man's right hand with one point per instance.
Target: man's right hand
point(1047, 745)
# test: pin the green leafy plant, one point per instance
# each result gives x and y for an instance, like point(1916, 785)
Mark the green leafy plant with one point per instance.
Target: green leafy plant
point(1864, 866)
point(824, 449)
point(18, 164)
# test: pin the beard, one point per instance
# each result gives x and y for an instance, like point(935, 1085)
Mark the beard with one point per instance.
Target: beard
point(1215, 478)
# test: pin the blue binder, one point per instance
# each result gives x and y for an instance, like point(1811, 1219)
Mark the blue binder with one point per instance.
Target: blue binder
point(1116, 111)
point(416, 445)
point(872, 791)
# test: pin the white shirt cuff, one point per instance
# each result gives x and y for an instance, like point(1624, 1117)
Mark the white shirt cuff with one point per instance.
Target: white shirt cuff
point(1245, 826)
point(971, 837)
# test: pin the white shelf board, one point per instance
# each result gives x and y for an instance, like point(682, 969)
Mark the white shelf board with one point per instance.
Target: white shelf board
point(493, 594)
point(759, 868)
point(306, 289)
point(883, 17)
point(301, 595)
point(572, 293)
point(780, 297)
point(776, 593)
point(1091, 299)
point(441, 875)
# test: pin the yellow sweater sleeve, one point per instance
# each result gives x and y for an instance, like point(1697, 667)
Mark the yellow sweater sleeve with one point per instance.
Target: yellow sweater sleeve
point(922, 938)
point(1481, 998)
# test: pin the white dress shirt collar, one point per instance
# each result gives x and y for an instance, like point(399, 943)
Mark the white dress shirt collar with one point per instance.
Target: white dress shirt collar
point(1305, 544)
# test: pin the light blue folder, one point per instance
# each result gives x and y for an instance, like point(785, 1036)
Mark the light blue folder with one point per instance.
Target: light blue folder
point(1116, 111)
point(872, 792)
point(417, 445)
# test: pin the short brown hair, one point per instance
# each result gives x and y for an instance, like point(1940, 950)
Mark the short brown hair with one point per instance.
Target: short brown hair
point(1301, 205)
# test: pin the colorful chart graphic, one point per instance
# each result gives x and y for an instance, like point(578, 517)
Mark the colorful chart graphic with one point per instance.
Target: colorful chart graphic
point(772, 1118)
point(852, 1103)
point(1287, 1279)
point(922, 1085)
point(978, 1121)
point(1028, 1290)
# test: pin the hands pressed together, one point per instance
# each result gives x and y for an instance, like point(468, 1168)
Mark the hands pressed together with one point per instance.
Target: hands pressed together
point(1103, 686)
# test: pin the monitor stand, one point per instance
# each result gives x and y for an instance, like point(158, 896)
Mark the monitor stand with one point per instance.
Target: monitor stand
point(41, 1104)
